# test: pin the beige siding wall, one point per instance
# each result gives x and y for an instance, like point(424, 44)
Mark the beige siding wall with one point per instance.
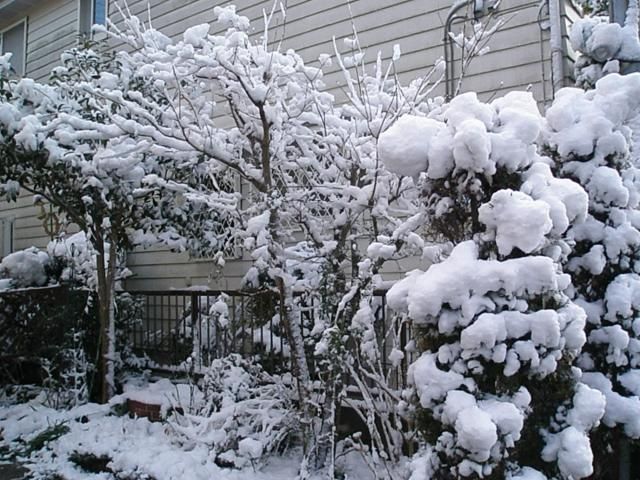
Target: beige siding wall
point(53, 27)
point(515, 62)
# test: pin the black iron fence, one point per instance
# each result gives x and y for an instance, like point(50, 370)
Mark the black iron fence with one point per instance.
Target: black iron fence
point(198, 326)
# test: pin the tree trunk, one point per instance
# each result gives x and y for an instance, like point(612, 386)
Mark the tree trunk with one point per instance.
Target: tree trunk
point(106, 315)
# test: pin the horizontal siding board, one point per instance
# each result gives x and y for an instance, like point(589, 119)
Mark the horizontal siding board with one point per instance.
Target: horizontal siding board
point(52, 29)
point(42, 22)
point(46, 53)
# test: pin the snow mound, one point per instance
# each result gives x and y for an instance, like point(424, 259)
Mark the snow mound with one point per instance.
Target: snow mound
point(25, 268)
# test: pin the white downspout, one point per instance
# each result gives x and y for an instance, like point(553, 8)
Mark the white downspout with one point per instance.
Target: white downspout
point(555, 40)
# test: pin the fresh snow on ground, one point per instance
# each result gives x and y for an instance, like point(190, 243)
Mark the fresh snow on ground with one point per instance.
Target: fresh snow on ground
point(136, 446)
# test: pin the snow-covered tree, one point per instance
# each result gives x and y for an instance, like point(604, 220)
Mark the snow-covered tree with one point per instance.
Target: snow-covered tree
point(590, 136)
point(494, 388)
point(56, 144)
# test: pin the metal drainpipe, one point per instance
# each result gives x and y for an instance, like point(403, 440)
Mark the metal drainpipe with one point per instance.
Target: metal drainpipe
point(555, 41)
point(543, 69)
point(448, 46)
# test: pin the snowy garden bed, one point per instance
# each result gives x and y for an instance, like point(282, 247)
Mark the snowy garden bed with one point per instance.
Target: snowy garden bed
point(104, 442)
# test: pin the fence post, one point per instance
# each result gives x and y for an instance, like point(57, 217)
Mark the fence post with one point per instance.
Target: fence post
point(195, 327)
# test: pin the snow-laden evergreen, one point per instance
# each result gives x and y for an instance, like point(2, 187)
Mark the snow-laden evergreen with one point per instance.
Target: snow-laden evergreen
point(591, 139)
point(494, 384)
point(605, 47)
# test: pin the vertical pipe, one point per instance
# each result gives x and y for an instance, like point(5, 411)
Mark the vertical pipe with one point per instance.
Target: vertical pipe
point(195, 330)
point(555, 42)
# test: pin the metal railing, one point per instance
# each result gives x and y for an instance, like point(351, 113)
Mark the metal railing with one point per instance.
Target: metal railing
point(203, 325)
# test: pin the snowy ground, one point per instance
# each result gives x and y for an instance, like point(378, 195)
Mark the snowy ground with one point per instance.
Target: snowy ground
point(131, 448)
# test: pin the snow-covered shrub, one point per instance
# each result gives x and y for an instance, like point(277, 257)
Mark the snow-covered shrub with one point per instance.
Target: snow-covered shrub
point(605, 47)
point(66, 379)
point(590, 136)
point(51, 334)
point(69, 262)
point(246, 413)
point(494, 389)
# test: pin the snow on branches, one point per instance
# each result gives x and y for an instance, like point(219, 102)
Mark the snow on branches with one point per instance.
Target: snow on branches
point(492, 320)
point(605, 47)
point(590, 136)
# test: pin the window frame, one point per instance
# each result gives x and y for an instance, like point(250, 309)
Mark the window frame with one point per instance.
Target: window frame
point(92, 14)
point(7, 235)
point(25, 22)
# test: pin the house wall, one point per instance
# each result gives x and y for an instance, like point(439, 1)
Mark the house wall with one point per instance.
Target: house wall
point(519, 54)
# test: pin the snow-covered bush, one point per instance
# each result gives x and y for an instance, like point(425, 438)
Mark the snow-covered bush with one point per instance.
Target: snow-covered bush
point(494, 388)
point(605, 47)
point(590, 136)
point(245, 415)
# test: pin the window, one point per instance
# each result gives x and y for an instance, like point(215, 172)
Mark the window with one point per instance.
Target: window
point(91, 12)
point(13, 41)
point(6, 237)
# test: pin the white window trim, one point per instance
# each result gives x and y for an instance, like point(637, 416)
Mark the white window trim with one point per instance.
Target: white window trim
point(25, 21)
point(91, 35)
point(7, 231)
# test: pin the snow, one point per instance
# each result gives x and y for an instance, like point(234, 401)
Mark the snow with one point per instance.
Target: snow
point(517, 220)
point(572, 450)
point(588, 408)
point(135, 446)
point(196, 34)
point(476, 433)
point(605, 47)
point(404, 147)
point(431, 382)
point(472, 147)
point(462, 280)
point(526, 473)
point(469, 135)
point(25, 268)
point(619, 409)
point(497, 302)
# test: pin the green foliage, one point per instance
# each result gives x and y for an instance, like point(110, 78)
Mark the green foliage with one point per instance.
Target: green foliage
point(50, 434)
point(43, 328)
point(90, 462)
point(594, 7)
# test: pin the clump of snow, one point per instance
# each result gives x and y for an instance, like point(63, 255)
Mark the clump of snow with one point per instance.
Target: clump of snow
point(404, 147)
point(462, 280)
point(620, 410)
point(25, 268)
point(516, 221)
point(468, 135)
